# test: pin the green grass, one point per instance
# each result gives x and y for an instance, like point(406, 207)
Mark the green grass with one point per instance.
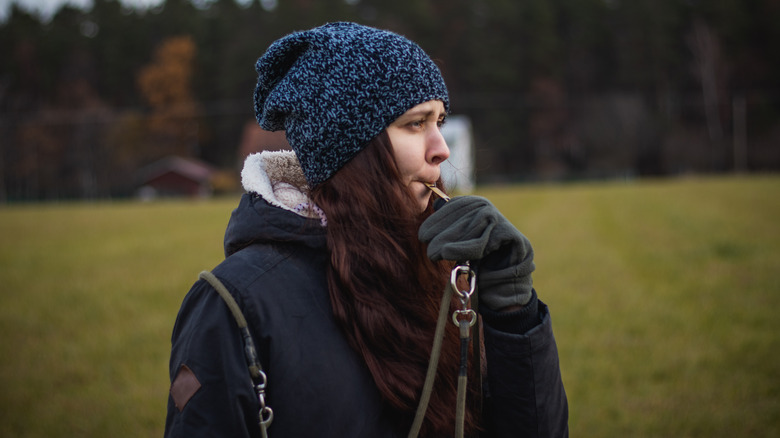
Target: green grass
point(89, 296)
point(665, 302)
point(664, 296)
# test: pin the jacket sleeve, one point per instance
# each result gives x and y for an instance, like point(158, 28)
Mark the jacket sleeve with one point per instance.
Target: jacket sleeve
point(525, 395)
point(211, 390)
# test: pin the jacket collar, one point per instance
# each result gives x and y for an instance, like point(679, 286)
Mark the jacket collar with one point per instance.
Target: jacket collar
point(277, 177)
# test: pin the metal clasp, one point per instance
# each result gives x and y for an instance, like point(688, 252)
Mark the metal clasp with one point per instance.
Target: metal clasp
point(463, 269)
point(464, 295)
point(266, 413)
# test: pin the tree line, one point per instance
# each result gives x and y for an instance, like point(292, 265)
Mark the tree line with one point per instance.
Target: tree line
point(555, 89)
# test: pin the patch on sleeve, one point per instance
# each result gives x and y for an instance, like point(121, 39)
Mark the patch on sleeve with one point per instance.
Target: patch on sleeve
point(184, 386)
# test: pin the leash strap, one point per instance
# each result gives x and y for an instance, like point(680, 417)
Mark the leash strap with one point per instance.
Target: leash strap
point(465, 325)
point(465, 318)
point(259, 379)
point(433, 363)
point(460, 407)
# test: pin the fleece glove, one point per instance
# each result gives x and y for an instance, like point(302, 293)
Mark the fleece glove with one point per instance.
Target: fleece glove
point(471, 228)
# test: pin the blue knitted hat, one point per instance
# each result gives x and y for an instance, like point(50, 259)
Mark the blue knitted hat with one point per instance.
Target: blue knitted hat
point(336, 87)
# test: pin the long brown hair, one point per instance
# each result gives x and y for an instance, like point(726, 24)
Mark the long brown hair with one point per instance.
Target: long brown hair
point(384, 290)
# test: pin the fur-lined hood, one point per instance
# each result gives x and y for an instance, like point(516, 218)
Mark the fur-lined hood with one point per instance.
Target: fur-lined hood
point(278, 178)
point(276, 206)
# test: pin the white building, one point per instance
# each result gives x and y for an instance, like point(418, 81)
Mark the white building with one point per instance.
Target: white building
point(458, 171)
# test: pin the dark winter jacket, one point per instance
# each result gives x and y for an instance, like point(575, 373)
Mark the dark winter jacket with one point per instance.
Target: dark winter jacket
point(317, 384)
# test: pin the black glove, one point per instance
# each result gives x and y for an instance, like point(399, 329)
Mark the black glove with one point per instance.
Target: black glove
point(471, 228)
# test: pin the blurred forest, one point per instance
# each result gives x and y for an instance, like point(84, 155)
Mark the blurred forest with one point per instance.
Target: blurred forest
point(555, 89)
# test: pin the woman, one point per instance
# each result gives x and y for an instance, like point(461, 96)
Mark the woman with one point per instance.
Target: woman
point(338, 262)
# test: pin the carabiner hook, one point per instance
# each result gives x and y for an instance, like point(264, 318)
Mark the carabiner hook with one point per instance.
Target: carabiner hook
point(463, 269)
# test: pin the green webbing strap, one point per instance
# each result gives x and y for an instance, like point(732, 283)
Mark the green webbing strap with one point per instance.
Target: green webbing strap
point(477, 350)
point(250, 353)
point(460, 404)
point(225, 294)
point(433, 363)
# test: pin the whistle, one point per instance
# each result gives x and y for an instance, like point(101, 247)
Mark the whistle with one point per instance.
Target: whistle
point(438, 192)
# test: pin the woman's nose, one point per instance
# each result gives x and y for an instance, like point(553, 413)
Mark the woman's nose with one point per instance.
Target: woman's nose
point(437, 150)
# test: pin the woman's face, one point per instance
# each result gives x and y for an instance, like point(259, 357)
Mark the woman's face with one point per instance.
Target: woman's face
point(419, 147)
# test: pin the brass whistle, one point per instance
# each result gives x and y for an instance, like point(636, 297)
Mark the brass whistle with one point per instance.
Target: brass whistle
point(438, 191)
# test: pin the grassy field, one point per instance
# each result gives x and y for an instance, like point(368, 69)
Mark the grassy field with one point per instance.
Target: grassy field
point(665, 297)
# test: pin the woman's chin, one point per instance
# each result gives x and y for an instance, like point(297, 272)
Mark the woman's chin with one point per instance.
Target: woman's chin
point(424, 200)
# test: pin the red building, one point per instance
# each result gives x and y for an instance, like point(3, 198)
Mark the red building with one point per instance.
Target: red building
point(175, 177)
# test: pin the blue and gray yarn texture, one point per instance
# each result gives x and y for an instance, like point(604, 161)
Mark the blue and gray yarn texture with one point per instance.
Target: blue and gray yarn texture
point(335, 87)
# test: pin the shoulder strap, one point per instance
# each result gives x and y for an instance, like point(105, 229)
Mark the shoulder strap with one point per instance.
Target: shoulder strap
point(250, 353)
point(433, 362)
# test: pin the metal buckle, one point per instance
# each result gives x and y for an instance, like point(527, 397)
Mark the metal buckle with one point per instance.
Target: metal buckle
point(464, 295)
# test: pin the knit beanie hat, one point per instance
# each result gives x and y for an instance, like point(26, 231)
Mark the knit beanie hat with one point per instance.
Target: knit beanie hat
point(336, 87)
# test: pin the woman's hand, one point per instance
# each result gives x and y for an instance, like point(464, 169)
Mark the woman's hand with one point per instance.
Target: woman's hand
point(471, 228)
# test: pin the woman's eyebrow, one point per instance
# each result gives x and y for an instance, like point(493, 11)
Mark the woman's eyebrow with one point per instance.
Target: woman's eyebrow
point(425, 113)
